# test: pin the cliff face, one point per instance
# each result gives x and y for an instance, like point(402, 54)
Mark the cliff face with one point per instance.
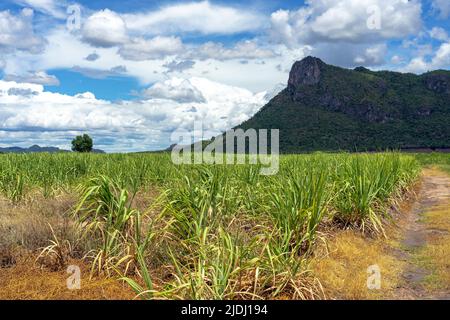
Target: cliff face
point(326, 107)
point(438, 82)
point(366, 95)
point(304, 72)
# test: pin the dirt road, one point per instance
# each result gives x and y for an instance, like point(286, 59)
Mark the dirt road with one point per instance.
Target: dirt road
point(425, 241)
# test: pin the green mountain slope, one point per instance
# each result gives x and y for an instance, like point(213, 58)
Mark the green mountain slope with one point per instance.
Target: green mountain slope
point(330, 108)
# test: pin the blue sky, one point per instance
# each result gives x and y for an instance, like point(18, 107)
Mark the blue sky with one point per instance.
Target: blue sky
point(114, 88)
point(131, 72)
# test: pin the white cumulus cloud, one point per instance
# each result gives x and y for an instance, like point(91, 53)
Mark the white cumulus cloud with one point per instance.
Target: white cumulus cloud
point(373, 55)
point(347, 32)
point(346, 21)
point(16, 33)
point(200, 17)
point(176, 89)
point(140, 49)
point(247, 49)
point(38, 77)
point(105, 29)
point(31, 113)
point(439, 34)
point(442, 7)
point(52, 7)
point(439, 60)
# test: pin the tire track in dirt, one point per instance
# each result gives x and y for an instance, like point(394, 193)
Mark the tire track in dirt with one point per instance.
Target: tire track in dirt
point(434, 193)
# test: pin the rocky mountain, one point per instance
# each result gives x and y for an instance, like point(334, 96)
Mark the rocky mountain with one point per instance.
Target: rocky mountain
point(325, 107)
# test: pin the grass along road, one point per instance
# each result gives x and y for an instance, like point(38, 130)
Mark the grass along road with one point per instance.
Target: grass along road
point(413, 259)
point(425, 241)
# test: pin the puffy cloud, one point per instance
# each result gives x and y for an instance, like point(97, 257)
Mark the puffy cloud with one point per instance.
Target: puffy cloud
point(140, 49)
point(247, 49)
point(21, 92)
point(440, 60)
point(175, 89)
point(39, 77)
point(16, 33)
point(275, 91)
point(416, 65)
point(442, 7)
point(282, 27)
point(92, 57)
point(199, 17)
point(350, 54)
point(373, 55)
point(223, 106)
point(442, 57)
point(50, 7)
point(100, 74)
point(418, 48)
point(397, 59)
point(346, 21)
point(29, 110)
point(105, 29)
point(64, 51)
point(180, 66)
point(439, 34)
point(347, 32)
point(341, 54)
point(28, 113)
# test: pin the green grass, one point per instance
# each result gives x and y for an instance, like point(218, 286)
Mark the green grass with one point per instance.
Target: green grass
point(212, 231)
point(441, 160)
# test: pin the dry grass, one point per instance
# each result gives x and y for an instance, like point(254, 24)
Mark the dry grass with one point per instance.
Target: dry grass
point(438, 219)
point(27, 281)
point(435, 256)
point(24, 231)
point(343, 270)
point(27, 224)
point(341, 263)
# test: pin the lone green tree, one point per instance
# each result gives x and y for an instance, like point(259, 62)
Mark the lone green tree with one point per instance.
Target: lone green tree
point(82, 143)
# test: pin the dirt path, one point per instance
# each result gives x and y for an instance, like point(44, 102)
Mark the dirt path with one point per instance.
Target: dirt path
point(420, 232)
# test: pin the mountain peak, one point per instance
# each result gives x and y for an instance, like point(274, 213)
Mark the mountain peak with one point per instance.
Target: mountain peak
point(361, 69)
point(34, 147)
point(327, 107)
point(305, 72)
